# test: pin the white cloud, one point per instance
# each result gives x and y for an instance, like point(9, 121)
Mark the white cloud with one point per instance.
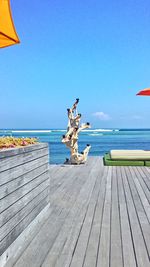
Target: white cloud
point(101, 116)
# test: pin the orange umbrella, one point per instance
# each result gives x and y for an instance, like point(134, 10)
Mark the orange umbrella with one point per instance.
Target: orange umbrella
point(8, 35)
point(144, 92)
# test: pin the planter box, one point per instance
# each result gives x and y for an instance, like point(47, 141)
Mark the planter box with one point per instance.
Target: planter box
point(24, 189)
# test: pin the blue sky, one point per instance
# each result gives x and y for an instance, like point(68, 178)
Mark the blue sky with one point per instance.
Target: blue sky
point(96, 50)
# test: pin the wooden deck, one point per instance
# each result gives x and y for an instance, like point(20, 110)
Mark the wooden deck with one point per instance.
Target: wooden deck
point(100, 216)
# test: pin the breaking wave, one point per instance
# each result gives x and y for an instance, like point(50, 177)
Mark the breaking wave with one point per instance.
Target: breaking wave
point(31, 131)
point(102, 130)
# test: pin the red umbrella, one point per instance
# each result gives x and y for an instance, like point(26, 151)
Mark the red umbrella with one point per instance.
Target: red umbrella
point(145, 92)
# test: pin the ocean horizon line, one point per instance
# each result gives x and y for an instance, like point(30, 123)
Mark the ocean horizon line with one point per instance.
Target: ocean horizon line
point(50, 130)
point(62, 129)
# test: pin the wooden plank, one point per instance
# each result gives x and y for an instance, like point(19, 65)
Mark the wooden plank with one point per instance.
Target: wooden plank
point(56, 225)
point(141, 210)
point(82, 242)
point(144, 181)
point(104, 245)
point(10, 174)
point(64, 179)
point(11, 162)
point(12, 210)
point(14, 221)
point(47, 236)
point(73, 180)
point(146, 175)
point(127, 242)
point(47, 232)
point(140, 248)
point(68, 179)
point(9, 257)
point(147, 169)
point(92, 222)
point(59, 178)
point(53, 171)
point(7, 241)
point(15, 151)
point(15, 184)
point(19, 193)
point(92, 247)
point(79, 214)
point(143, 192)
point(116, 257)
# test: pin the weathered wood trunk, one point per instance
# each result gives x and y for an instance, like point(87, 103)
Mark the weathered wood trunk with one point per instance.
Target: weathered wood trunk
point(24, 189)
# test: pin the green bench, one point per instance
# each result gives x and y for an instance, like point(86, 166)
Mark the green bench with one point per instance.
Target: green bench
point(108, 161)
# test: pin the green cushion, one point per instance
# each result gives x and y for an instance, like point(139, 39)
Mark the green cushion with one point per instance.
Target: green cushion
point(147, 163)
point(110, 162)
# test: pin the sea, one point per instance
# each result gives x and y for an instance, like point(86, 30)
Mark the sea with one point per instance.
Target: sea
point(101, 140)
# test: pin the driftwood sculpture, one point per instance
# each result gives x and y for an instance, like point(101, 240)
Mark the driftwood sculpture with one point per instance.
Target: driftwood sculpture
point(71, 137)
